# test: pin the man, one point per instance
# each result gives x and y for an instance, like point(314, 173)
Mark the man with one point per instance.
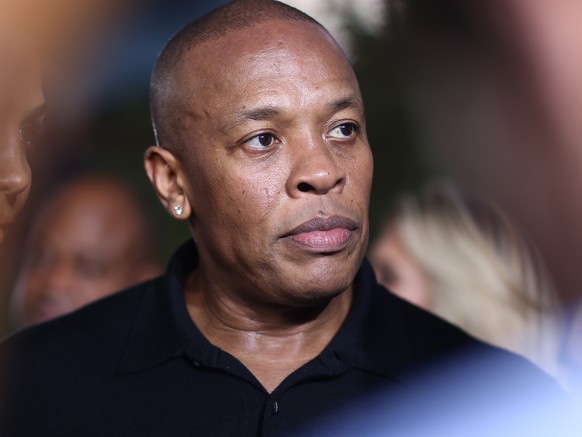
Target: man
point(91, 239)
point(270, 321)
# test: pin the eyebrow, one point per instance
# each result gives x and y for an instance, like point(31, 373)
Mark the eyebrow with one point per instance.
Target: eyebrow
point(351, 102)
point(36, 112)
point(265, 113)
point(268, 112)
point(257, 114)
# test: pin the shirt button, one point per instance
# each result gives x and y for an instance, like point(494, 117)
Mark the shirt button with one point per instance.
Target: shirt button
point(275, 407)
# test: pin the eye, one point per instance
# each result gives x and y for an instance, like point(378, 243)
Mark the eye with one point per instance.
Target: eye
point(343, 131)
point(30, 132)
point(261, 141)
point(42, 259)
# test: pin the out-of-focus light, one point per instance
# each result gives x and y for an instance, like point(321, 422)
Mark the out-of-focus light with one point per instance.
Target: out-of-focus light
point(333, 13)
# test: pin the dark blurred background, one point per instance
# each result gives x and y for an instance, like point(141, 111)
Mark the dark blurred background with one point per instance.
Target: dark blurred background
point(97, 92)
point(485, 93)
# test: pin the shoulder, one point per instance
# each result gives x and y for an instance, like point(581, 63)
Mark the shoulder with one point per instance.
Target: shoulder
point(52, 367)
point(461, 384)
point(99, 328)
point(386, 316)
point(429, 342)
point(423, 332)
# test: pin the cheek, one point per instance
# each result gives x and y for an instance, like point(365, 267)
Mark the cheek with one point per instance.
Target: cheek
point(33, 284)
point(366, 169)
point(359, 170)
point(31, 292)
point(252, 194)
point(264, 189)
point(21, 199)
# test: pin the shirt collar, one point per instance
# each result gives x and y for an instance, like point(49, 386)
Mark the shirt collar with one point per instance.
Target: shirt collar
point(371, 338)
point(163, 328)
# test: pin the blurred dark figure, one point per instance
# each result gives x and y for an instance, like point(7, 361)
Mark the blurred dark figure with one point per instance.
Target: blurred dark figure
point(465, 260)
point(92, 239)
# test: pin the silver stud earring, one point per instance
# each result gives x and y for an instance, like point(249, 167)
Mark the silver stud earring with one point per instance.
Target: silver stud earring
point(178, 210)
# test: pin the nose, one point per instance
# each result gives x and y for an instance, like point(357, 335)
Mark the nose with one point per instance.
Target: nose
point(14, 183)
point(58, 280)
point(315, 170)
point(14, 175)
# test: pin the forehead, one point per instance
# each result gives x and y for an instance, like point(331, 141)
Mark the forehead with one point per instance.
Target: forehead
point(270, 53)
point(20, 75)
point(18, 52)
point(273, 34)
point(86, 217)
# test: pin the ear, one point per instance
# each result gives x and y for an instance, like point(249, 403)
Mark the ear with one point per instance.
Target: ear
point(165, 173)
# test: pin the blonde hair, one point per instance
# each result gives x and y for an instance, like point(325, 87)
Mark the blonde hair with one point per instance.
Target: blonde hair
point(485, 275)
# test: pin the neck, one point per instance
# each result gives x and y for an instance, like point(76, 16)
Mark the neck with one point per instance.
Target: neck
point(271, 340)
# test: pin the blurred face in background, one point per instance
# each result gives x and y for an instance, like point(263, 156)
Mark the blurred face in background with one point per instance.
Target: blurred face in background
point(21, 113)
point(86, 246)
point(396, 270)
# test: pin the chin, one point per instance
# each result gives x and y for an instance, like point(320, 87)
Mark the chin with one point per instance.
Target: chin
point(321, 296)
point(313, 291)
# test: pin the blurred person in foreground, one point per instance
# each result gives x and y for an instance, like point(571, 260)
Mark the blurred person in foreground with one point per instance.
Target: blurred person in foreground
point(464, 260)
point(21, 115)
point(57, 41)
point(89, 240)
point(572, 352)
point(270, 319)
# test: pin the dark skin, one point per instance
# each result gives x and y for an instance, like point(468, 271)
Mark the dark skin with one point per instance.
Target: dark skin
point(21, 107)
point(275, 183)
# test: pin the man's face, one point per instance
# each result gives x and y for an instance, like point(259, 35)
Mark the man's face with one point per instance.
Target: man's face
point(21, 103)
point(83, 248)
point(278, 163)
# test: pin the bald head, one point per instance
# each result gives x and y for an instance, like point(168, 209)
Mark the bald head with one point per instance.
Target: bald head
point(166, 94)
point(92, 239)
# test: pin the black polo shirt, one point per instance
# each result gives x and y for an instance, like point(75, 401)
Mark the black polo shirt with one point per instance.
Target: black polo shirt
point(136, 364)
